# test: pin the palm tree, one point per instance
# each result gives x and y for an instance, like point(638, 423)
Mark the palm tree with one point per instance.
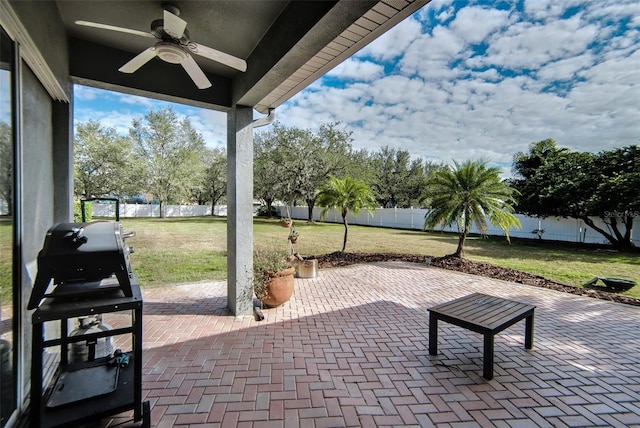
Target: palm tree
point(467, 195)
point(345, 194)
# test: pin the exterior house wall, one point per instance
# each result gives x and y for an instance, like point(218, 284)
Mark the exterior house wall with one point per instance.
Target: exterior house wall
point(43, 134)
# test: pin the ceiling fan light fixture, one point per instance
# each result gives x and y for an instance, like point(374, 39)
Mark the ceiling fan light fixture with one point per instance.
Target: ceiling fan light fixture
point(174, 46)
point(171, 52)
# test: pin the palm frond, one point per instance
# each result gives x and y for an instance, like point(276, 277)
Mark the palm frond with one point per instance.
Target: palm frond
point(470, 194)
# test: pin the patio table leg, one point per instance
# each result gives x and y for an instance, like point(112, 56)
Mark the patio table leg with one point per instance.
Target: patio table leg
point(433, 333)
point(528, 332)
point(487, 371)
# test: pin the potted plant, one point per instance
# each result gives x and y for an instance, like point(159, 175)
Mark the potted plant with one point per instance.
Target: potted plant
point(286, 221)
point(272, 277)
point(304, 267)
point(293, 235)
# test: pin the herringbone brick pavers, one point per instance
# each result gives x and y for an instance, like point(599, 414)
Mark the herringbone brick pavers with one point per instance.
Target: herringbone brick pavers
point(351, 349)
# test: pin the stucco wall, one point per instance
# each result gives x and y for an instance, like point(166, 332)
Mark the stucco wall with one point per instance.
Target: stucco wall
point(42, 21)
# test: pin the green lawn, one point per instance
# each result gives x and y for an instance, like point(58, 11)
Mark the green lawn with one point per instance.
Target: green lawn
point(193, 249)
point(5, 259)
point(188, 249)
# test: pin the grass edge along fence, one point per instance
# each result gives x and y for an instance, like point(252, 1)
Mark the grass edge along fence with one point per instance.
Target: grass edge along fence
point(551, 228)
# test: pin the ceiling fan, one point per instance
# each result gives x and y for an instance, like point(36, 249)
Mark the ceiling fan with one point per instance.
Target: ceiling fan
point(174, 46)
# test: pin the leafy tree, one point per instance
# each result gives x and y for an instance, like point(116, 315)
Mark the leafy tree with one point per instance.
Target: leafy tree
point(290, 164)
point(399, 181)
point(360, 167)
point(467, 195)
point(392, 171)
point(214, 185)
point(429, 170)
point(171, 153)
point(345, 194)
point(555, 181)
point(104, 163)
point(331, 157)
point(267, 167)
point(295, 160)
point(6, 167)
point(616, 198)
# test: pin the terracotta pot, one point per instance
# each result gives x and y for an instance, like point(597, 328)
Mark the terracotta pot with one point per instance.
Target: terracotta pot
point(280, 288)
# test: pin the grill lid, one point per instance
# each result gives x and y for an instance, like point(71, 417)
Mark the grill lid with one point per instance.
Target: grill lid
point(82, 255)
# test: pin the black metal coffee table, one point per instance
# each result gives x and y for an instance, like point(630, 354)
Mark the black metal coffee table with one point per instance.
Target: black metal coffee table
point(484, 314)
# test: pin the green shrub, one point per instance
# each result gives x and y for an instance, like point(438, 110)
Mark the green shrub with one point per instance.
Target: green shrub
point(263, 212)
point(77, 211)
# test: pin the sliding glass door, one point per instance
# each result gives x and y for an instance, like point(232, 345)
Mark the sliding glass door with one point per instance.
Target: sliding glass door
point(8, 396)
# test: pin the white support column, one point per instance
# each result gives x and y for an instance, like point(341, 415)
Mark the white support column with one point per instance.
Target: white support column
point(240, 210)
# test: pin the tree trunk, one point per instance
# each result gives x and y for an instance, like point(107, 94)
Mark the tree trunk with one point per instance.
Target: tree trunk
point(161, 209)
point(346, 229)
point(310, 204)
point(213, 207)
point(460, 250)
point(619, 242)
point(269, 202)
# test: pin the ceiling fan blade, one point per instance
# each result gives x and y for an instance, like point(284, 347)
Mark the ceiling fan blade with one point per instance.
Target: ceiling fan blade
point(173, 25)
point(114, 28)
point(196, 73)
point(215, 55)
point(138, 61)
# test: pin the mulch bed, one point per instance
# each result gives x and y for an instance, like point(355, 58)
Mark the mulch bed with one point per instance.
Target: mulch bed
point(338, 259)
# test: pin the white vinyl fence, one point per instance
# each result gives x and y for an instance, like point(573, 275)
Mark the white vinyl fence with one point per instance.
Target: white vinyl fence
point(555, 228)
point(151, 210)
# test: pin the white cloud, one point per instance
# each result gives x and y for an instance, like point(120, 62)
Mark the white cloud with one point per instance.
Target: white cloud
point(527, 46)
point(85, 93)
point(148, 103)
point(474, 24)
point(394, 42)
point(430, 56)
point(546, 9)
point(119, 119)
point(612, 10)
point(565, 69)
point(443, 9)
point(353, 69)
point(212, 125)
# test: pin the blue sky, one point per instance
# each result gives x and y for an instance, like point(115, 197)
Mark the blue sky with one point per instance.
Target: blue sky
point(463, 80)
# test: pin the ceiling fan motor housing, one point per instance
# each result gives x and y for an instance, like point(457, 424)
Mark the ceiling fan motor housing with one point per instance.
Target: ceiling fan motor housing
point(157, 29)
point(171, 52)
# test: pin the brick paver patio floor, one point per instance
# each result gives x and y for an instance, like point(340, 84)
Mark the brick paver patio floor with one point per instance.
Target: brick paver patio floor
point(351, 349)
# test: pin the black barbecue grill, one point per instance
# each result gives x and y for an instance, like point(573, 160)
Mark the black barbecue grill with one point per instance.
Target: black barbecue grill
point(84, 270)
point(82, 258)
